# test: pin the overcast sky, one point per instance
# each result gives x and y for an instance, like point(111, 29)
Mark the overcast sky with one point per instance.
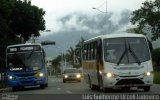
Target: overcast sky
point(69, 20)
point(59, 8)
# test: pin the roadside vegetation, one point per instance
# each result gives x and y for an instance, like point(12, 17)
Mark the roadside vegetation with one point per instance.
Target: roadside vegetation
point(156, 65)
point(147, 19)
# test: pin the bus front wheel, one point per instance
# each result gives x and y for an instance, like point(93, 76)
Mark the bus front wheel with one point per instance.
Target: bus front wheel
point(42, 86)
point(46, 85)
point(146, 88)
point(92, 86)
point(104, 89)
point(15, 88)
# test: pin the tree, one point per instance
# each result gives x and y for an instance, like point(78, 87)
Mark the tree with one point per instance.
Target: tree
point(148, 16)
point(79, 50)
point(27, 19)
point(56, 63)
point(156, 56)
point(18, 18)
point(70, 55)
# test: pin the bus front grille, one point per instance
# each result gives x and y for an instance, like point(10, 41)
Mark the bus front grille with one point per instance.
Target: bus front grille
point(26, 82)
point(25, 75)
point(129, 82)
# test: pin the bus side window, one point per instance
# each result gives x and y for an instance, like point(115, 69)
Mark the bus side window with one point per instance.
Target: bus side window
point(99, 50)
point(95, 50)
point(92, 53)
point(89, 53)
point(85, 52)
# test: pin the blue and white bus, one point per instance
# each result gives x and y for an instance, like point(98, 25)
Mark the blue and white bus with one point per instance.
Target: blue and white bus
point(25, 66)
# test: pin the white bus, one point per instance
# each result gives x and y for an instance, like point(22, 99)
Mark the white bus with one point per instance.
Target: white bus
point(120, 60)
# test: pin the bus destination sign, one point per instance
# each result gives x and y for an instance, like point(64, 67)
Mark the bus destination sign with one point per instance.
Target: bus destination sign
point(23, 48)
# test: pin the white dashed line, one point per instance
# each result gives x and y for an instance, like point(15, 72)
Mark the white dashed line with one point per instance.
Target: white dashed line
point(69, 92)
point(58, 88)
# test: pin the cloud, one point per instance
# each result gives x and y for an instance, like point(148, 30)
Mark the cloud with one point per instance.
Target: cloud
point(76, 25)
point(100, 23)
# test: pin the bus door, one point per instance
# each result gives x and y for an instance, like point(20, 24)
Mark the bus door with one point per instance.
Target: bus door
point(99, 61)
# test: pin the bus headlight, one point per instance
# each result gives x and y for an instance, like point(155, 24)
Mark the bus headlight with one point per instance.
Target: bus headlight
point(65, 76)
point(78, 75)
point(148, 73)
point(109, 75)
point(10, 77)
point(41, 74)
point(100, 72)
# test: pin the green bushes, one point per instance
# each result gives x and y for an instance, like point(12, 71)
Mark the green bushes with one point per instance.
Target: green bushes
point(156, 65)
point(156, 79)
point(156, 57)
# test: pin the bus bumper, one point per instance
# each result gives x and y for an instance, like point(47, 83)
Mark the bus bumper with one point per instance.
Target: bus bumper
point(120, 82)
point(25, 82)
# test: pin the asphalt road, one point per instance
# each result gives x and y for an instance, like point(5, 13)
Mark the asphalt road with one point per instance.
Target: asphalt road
point(56, 86)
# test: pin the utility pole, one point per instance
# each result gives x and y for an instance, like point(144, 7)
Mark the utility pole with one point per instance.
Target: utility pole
point(106, 17)
point(103, 12)
point(74, 57)
point(106, 6)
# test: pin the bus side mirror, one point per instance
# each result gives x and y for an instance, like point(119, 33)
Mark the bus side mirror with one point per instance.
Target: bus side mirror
point(150, 45)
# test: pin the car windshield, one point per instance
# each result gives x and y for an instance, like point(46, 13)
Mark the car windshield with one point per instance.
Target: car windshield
point(71, 71)
point(31, 60)
point(126, 50)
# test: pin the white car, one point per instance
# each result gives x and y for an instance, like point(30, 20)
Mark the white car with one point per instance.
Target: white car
point(71, 74)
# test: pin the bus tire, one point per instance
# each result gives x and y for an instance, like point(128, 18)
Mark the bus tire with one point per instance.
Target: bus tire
point(46, 85)
point(104, 89)
point(64, 81)
point(89, 82)
point(101, 85)
point(22, 87)
point(146, 88)
point(79, 80)
point(92, 86)
point(15, 88)
point(42, 86)
point(107, 90)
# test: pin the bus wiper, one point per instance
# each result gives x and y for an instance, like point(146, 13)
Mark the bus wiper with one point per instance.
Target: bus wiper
point(133, 54)
point(125, 51)
point(30, 54)
point(119, 61)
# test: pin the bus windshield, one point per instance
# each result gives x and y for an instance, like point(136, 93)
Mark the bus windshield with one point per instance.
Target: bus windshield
point(126, 50)
point(71, 71)
point(26, 60)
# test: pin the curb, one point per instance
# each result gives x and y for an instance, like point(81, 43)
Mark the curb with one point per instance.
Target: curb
point(2, 90)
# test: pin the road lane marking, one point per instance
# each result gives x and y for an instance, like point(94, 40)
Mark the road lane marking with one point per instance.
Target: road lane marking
point(55, 80)
point(69, 92)
point(58, 88)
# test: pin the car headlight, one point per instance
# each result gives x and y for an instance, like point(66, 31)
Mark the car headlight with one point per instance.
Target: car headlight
point(10, 77)
point(65, 76)
point(78, 75)
point(41, 74)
